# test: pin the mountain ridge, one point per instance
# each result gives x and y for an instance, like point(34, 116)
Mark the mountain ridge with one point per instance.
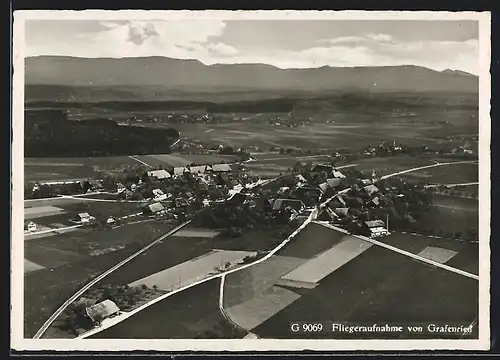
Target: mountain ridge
point(169, 72)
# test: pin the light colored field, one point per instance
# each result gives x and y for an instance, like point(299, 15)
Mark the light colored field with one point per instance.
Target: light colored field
point(41, 211)
point(437, 254)
point(49, 202)
point(196, 233)
point(193, 270)
point(246, 284)
point(255, 311)
point(31, 266)
point(327, 262)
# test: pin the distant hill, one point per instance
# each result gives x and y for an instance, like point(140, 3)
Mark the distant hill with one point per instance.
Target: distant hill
point(194, 76)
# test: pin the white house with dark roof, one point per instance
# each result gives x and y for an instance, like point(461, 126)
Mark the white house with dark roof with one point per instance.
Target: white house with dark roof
point(102, 310)
point(376, 228)
point(180, 170)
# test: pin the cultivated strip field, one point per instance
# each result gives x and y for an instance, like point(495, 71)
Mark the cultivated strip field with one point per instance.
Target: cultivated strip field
point(437, 254)
point(41, 211)
point(193, 270)
point(316, 269)
point(31, 266)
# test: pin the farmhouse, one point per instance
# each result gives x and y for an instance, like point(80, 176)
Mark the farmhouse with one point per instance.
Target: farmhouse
point(337, 174)
point(159, 174)
point(198, 169)
point(111, 221)
point(84, 218)
point(30, 226)
point(376, 228)
point(154, 208)
point(180, 170)
point(102, 310)
point(371, 189)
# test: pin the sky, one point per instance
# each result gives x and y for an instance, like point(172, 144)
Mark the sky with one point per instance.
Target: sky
point(436, 44)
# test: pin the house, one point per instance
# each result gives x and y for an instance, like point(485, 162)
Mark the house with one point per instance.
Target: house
point(366, 181)
point(180, 202)
point(376, 228)
point(324, 187)
point(159, 174)
point(30, 226)
point(198, 169)
point(338, 201)
point(95, 185)
point(337, 174)
point(102, 310)
point(371, 189)
point(221, 168)
point(111, 221)
point(84, 218)
point(334, 182)
point(180, 170)
point(301, 178)
point(133, 187)
point(282, 204)
point(154, 208)
point(157, 192)
point(375, 201)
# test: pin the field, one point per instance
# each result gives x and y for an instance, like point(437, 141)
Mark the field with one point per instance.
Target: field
point(53, 169)
point(467, 257)
point(380, 286)
point(388, 165)
point(193, 270)
point(193, 313)
point(41, 211)
point(449, 174)
point(348, 129)
point(450, 216)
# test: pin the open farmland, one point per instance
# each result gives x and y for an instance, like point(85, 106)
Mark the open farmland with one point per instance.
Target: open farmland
point(467, 257)
point(381, 286)
point(71, 266)
point(41, 211)
point(193, 313)
point(348, 129)
point(193, 270)
point(449, 174)
point(391, 164)
point(176, 160)
point(53, 169)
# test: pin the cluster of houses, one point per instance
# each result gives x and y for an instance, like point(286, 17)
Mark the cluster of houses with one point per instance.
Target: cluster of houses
point(301, 197)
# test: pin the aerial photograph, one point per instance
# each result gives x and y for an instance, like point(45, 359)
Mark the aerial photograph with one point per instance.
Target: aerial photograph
point(251, 179)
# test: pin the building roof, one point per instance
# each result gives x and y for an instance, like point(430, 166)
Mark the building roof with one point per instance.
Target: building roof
point(180, 170)
point(156, 207)
point(338, 174)
point(221, 167)
point(84, 215)
point(323, 186)
point(371, 189)
point(375, 223)
point(376, 200)
point(157, 192)
point(333, 182)
point(102, 310)
point(342, 211)
point(159, 174)
point(366, 181)
point(280, 204)
point(198, 169)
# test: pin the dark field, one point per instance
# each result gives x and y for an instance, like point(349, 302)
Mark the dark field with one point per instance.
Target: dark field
point(189, 314)
point(380, 286)
point(311, 241)
point(467, 258)
point(448, 174)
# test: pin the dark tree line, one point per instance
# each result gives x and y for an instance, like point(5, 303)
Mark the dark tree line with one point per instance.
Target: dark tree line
point(56, 136)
